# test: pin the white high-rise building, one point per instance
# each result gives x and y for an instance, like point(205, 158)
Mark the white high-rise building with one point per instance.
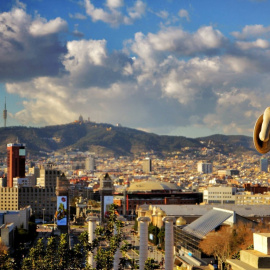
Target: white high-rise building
point(147, 165)
point(204, 167)
point(90, 163)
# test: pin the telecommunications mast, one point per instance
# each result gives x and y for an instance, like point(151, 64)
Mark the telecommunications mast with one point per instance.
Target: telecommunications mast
point(5, 114)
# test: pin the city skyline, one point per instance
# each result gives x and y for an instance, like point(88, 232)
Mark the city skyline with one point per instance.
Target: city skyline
point(188, 68)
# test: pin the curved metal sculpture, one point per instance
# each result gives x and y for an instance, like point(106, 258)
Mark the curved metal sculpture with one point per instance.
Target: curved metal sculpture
point(261, 132)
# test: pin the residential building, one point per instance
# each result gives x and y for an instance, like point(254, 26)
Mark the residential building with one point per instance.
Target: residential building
point(23, 182)
point(38, 198)
point(219, 195)
point(247, 198)
point(204, 167)
point(48, 176)
point(9, 220)
point(228, 172)
point(9, 198)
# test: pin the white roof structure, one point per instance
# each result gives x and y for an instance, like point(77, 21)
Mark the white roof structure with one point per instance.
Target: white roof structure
point(199, 210)
point(208, 222)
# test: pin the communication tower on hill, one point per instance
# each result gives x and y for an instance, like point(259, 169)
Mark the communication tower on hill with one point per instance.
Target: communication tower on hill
point(5, 114)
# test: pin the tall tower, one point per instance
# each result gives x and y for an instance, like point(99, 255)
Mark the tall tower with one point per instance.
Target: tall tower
point(264, 164)
point(62, 193)
point(106, 194)
point(90, 163)
point(15, 162)
point(147, 165)
point(5, 114)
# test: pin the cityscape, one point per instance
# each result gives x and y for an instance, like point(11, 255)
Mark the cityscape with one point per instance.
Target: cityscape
point(183, 197)
point(134, 135)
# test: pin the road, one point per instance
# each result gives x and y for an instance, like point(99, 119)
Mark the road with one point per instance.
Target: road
point(134, 240)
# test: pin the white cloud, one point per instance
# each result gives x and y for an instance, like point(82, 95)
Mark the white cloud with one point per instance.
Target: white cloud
point(236, 111)
point(115, 3)
point(24, 46)
point(163, 81)
point(20, 5)
point(137, 11)
point(113, 15)
point(78, 16)
point(259, 43)
point(184, 14)
point(40, 27)
point(250, 31)
point(163, 14)
point(76, 32)
point(174, 39)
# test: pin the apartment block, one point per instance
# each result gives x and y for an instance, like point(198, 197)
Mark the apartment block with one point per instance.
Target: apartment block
point(252, 199)
point(48, 177)
point(205, 167)
point(9, 198)
point(38, 198)
point(219, 195)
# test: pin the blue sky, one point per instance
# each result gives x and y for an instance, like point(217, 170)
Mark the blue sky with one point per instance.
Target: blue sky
point(173, 67)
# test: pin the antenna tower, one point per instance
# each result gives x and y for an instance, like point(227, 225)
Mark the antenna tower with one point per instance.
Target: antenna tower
point(5, 114)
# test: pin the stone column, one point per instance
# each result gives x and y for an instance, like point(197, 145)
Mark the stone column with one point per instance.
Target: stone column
point(143, 240)
point(92, 222)
point(169, 250)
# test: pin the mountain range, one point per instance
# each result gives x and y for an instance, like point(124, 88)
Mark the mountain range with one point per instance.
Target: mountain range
point(106, 139)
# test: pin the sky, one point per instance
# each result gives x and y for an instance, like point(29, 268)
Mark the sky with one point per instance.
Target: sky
point(172, 67)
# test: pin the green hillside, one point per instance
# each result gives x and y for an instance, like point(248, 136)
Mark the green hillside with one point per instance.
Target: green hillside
point(112, 140)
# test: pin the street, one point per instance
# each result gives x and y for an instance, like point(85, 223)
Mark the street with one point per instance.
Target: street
point(134, 240)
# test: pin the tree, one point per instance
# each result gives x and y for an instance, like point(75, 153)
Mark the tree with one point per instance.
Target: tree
point(50, 259)
point(35, 258)
point(6, 263)
point(63, 252)
point(154, 230)
point(227, 242)
point(112, 236)
point(218, 244)
point(150, 264)
point(161, 236)
point(57, 255)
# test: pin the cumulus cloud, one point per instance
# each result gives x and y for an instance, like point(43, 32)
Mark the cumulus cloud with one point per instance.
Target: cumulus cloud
point(28, 47)
point(137, 11)
point(78, 16)
point(184, 14)
point(174, 39)
point(250, 31)
point(40, 27)
point(161, 81)
point(115, 3)
point(259, 43)
point(235, 110)
point(114, 15)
